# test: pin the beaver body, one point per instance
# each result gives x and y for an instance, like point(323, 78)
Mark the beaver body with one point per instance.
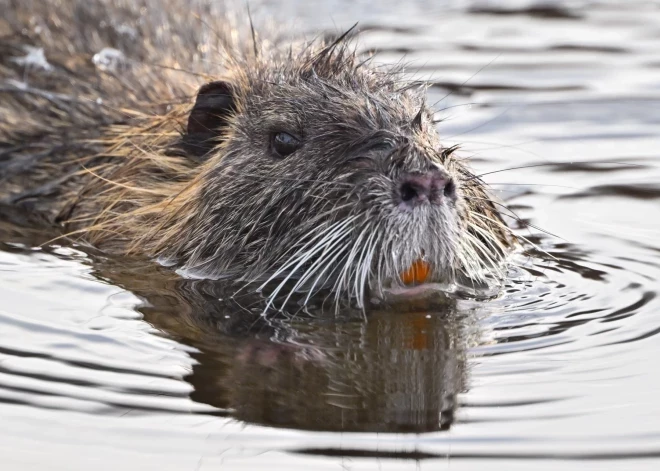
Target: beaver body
point(145, 131)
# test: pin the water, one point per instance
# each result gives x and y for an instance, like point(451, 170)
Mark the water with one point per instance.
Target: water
point(116, 364)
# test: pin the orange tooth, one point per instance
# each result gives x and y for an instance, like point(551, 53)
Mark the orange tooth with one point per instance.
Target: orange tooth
point(418, 272)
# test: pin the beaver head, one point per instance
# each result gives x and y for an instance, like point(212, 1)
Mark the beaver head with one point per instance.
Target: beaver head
point(303, 168)
point(323, 172)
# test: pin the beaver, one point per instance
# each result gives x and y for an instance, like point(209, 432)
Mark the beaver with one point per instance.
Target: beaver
point(298, 165)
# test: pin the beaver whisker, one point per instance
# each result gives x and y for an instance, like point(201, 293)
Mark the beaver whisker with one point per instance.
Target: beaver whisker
point(324, 262)
point(328, 234)
point(329, 250)
point(468, 265)
point(626, 164)
point(367, 263)
point(357, 290)
point(341, 284)
point(478, 271)
point(482, 68)
point(505, 227)
point(498, 223)
point(440, 110)
point(478, 245)
point(487, 238)
point(512, 214)
point(302, 260)
point(532, 184)
point(331, 263)
point(319, 217)
point(382, 266)
point(303, 253)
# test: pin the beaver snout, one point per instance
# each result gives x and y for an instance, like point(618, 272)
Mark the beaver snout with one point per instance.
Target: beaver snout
point(432, 187)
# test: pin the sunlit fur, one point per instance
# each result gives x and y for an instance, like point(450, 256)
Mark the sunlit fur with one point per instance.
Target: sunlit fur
point(98, 150)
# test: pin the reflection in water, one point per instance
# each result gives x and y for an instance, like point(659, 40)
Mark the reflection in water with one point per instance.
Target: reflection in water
point(398, 372)
point(393, 374)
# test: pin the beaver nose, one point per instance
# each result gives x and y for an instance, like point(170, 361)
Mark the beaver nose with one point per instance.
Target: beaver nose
point(420, 188)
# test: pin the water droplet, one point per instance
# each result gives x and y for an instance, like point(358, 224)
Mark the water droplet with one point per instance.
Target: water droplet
point(35, 57)
point(109, 59)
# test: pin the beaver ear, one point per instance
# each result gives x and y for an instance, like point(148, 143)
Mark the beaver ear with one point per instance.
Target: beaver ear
point(213, 106)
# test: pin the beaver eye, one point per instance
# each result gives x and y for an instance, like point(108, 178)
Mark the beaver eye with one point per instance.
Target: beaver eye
point(285, 144)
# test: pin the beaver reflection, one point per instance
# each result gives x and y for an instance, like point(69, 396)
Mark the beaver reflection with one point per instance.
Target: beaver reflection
point(393, 374)
point(398, 372)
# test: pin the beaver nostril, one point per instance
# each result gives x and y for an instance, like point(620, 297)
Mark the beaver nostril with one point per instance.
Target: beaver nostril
point(429, 187)
point(408, 192)
point(450, 189)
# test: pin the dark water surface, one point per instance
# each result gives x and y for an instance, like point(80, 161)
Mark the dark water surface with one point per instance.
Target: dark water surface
point(108, 364)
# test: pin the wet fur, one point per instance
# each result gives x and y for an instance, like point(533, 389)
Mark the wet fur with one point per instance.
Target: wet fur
point(104, 151)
